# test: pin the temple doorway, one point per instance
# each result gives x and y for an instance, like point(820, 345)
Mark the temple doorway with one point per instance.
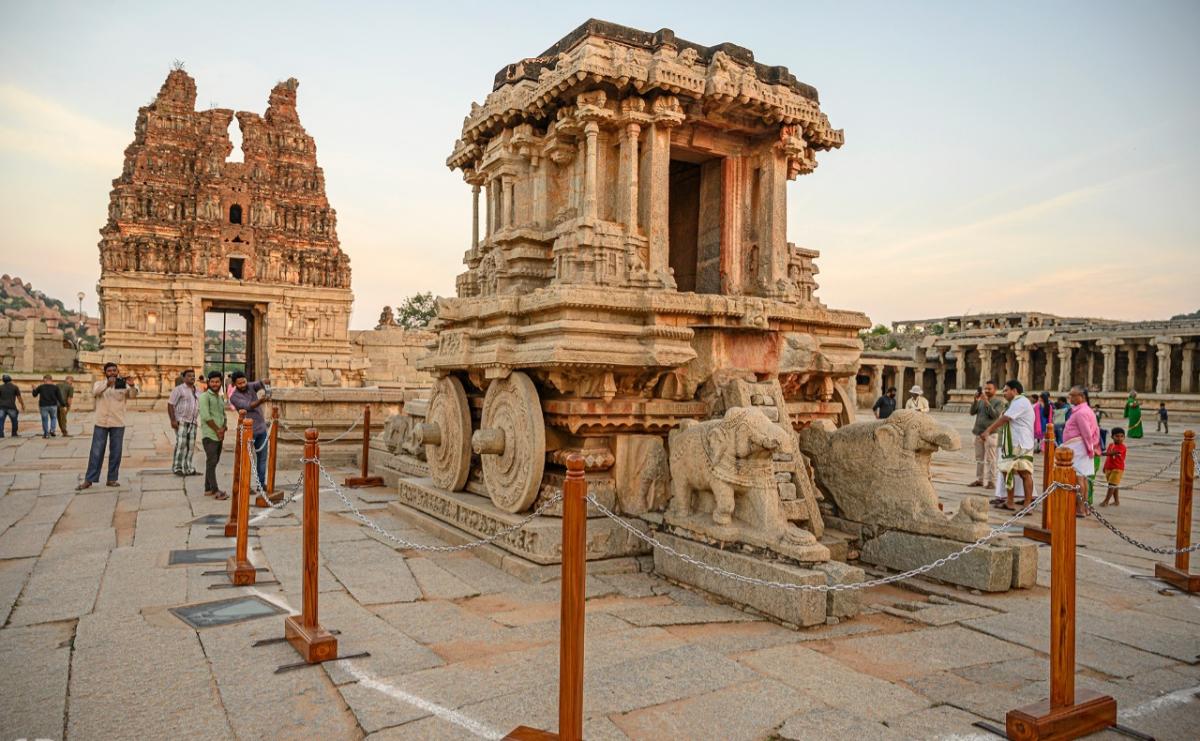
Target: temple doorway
point(694, 220)
point(229, 341)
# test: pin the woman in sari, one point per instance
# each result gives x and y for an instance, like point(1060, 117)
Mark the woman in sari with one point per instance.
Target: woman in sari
point(1133, 416)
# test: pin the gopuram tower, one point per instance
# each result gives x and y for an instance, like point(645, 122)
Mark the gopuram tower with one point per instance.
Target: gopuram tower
point(193, 238)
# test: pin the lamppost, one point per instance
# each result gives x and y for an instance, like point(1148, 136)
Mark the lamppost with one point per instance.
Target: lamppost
point(80, 296)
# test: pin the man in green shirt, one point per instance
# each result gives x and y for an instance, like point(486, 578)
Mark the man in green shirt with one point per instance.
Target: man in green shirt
point(212, 432)
point(987, 408)
point(66, 390)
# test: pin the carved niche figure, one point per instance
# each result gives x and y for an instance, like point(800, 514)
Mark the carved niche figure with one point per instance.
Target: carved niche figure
point(386, 318)
point(877, 473)
point(725, 467)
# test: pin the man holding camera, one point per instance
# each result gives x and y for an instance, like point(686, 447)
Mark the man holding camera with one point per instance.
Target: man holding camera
point(245, 396)
point(109, 431)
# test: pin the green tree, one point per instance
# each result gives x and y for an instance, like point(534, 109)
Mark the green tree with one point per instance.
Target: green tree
point(417, 311)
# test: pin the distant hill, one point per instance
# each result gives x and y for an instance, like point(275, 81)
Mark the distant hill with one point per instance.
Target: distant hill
point(20, 300)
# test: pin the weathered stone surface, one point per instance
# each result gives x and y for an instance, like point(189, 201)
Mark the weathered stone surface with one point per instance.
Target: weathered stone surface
point(832, 682)
point(797, 608)
point(172, 695)
point(831, 723)
point(14, 573)
point(34, 683)
point(60, 588)
point(540, 541)
point(748, 711)
point(436, 582)
point(916, 653)
point(845, 603)
point(987, 568)
point(1025, 563)
point(372, 572)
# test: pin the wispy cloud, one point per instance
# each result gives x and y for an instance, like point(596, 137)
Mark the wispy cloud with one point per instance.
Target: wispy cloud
point(44, 129)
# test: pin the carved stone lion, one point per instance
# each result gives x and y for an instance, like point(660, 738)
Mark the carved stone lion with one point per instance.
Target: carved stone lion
point(877, 473)
point(723, 483)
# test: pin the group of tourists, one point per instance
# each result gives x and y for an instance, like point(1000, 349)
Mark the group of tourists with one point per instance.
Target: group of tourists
point(1007, 432)
point(54, 401)
point(190, 409)
point(885, 405)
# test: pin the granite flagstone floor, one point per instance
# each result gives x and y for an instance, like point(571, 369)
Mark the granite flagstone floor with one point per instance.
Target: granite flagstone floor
point(460, 649)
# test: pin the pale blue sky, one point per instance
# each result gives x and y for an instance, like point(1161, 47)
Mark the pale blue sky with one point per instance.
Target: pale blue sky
point(1001, 156)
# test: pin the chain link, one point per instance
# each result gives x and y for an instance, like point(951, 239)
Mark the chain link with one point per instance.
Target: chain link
point(996, 531)
point(407, 544)
point(1157, 474)
point(258, 487)
point(300, 437)
point(1130, 540)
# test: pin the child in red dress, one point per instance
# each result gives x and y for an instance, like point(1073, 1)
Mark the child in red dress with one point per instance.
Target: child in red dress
point(1114, 466)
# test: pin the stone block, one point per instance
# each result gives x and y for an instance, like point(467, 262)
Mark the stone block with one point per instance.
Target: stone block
point(847, 603)
point(540, 541)
point(1025, 564)
point(987, 568)
point(794, 607)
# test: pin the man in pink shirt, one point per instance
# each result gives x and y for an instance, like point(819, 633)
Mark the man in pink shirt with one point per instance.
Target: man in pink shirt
point(1082, 436)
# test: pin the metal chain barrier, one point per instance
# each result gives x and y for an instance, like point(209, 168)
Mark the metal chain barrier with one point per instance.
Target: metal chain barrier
point(258, 487)
point(267, 439)
point(1156, 475)
point(300, 438)
point(438, 548)
point(996, 531)
point(1130, 540)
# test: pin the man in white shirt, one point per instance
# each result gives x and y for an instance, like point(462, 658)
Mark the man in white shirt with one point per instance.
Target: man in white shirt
point(1016, 444)
point(182, 408)
point(917, 401)
point(109, 430)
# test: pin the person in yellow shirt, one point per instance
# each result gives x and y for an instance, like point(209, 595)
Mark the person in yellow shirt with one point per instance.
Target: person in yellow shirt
point(109, 430)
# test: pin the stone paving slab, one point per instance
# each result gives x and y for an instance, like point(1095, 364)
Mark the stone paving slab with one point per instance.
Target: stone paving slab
point(832, 683)
point(262, 704)
point(165, 690)
point(903, 655)
point(14, 574)
point(14, 506)
point(372, 572)
point(25, 540)
point(33, 685)
point(835, 723)
point(161, 528)
point(747, 711)
point(135, 579)
point(60, 589)
point(437, 583)
point(392, 652)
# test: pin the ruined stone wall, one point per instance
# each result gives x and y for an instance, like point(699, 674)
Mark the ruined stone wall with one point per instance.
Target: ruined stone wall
point(28, 345)
point(392, 353)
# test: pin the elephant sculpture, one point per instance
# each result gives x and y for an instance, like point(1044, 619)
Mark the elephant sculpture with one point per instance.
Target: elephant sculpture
point(877, 473)
point(723, 483)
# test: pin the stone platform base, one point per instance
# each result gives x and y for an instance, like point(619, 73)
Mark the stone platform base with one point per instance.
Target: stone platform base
point(1009, 564)
point(540, 541)
point(793, 608)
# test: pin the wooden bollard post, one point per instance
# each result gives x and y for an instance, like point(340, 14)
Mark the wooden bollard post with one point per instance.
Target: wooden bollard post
point(574, 586)
point(1069, 713)
point(1033, 532)
point(272, 449)
point(241, 571)
point(304, 631)
point(1180, 575)
point(355, 482)
point(238, 443)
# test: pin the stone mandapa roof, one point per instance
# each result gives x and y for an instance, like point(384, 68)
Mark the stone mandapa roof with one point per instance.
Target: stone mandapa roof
point(533, 89)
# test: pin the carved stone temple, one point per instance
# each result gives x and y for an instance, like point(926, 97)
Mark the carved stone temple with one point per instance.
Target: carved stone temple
point(630, 295)
point(192, 237)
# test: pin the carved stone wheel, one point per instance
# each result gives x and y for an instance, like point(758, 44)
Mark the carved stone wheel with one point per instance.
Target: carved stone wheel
point(514, 475)
point(448, 447)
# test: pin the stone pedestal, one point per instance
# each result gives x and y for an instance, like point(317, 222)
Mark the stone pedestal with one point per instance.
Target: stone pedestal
point(990, 568)
point(788, 606)
point(540, 541)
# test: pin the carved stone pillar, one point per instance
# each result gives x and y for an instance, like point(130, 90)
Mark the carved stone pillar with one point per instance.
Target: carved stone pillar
point(591, 131)
point(1163, 382)
point(507, 204)
point(1049, 376)
point(1109, 379)
point(1131, 371)
point(1023, 366)
point(1065, 376)
point(1091, 368)
point(960, 367)
point(985, 364)
point(629, 172)
point(654, 179)
point(901, 386)
point(1187, 369)
point(475, 217)
point(1150, 377)
point(488, 195)
point(877, 382)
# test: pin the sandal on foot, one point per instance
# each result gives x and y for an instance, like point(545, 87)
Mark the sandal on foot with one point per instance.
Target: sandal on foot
point(112, 483)
point(84, 485)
